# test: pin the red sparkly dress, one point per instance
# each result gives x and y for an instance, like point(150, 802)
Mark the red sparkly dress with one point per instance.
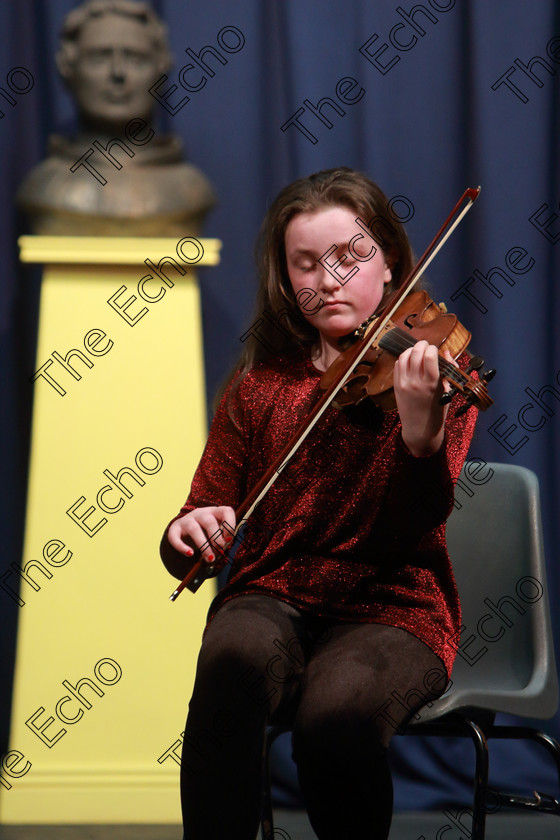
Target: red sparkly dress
point(354, 527)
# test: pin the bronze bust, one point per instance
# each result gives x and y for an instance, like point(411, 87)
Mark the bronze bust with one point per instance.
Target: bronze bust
point(115, 177)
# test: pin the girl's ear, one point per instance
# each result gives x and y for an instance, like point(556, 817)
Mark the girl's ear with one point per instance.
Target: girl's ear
point(391, 258)
point(388, 276)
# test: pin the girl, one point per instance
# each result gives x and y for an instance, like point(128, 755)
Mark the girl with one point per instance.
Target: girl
point(341, 597)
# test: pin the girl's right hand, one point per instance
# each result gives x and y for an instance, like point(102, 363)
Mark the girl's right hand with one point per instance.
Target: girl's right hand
point(205, 528)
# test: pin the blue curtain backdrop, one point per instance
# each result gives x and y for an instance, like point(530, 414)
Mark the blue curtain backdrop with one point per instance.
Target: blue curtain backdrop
point(447, 94)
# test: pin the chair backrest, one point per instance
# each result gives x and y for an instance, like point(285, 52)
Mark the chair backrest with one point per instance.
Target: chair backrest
point(506, 660)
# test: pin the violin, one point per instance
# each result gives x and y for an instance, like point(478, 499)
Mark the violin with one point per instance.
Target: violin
point(404, 319)
point(417, 318)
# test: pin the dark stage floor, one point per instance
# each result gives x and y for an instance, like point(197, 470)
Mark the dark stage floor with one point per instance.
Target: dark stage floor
point(293, 825)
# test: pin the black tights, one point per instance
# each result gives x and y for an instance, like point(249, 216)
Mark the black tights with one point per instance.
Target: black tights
point(263, 661)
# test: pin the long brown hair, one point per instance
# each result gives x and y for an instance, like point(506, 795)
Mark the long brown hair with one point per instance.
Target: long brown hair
point(341, 187)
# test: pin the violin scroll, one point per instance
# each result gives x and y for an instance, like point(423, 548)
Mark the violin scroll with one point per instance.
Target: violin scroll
point(475, 363)
point(417, 318)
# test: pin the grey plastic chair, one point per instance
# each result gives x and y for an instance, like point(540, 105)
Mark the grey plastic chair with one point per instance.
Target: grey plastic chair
point(505, 662)
point(505, 659)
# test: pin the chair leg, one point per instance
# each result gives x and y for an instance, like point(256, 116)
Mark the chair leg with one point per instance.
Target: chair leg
point(530, 734)
point(267, 817)
point(267, 820)
point(542, 802)
point(462, 726)
point(480, 781)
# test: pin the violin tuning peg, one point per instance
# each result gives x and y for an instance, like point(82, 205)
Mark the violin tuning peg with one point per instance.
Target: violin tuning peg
point(475, 364)
point(464, 408)
point(446, 398)
point(488, 375)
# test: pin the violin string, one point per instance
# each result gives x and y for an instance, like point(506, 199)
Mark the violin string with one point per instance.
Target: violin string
point(397, 341)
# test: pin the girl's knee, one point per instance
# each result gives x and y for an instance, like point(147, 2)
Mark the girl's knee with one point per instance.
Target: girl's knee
point(336, 733)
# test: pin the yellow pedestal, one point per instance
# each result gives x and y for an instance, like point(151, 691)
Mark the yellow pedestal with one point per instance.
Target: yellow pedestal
point(105, 663)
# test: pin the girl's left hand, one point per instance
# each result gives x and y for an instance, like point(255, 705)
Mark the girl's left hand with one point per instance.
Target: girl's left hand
point(418, 388)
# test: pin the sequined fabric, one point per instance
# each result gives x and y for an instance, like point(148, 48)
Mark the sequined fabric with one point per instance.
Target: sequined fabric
point(354, 527)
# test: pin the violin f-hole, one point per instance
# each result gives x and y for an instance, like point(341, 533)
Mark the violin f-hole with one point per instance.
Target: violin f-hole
point(407, 319)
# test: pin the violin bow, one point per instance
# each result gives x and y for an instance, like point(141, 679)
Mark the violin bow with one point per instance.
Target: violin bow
point(201, 570)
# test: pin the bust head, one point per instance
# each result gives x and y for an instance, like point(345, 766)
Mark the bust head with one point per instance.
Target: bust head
point(111, 53)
